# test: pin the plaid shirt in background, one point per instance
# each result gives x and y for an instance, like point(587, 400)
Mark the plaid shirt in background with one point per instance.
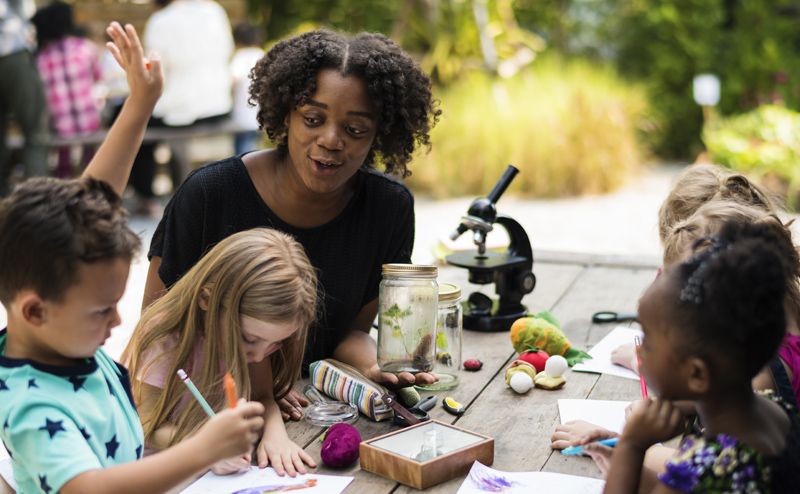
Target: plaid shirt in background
point(69, 68)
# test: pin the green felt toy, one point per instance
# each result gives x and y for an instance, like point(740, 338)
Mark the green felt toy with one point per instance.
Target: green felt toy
point(544, 331)
point(409, 396)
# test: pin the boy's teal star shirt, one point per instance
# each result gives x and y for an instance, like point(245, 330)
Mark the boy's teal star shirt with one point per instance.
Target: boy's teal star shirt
point(59, 422)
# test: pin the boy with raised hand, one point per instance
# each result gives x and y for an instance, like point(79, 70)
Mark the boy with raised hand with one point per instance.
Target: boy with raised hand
point(67, 416)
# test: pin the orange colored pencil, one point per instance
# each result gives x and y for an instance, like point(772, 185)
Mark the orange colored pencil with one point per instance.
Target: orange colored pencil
point(230, 390)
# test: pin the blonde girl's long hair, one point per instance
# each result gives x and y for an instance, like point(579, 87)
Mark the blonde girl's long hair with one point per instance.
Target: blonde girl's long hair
point(261, 273)
point(708, 220)
point(702, 183)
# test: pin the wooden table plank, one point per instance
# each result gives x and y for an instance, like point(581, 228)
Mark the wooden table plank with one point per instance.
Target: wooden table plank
point(520, 424)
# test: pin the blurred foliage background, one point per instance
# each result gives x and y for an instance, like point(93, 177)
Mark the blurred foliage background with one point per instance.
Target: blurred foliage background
point(558, 60)
point(576, 93)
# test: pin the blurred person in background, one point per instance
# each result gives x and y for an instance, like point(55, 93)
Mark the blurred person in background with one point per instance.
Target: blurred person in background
point(21, 91)
point(249, 41)
point(69, 66)
point(195, 43)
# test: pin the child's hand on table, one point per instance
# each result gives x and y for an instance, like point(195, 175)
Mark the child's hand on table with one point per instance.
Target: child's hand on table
point(232, 432)
point(145, 77)
point(570, 433)
point(625, 355)
point(283, 455)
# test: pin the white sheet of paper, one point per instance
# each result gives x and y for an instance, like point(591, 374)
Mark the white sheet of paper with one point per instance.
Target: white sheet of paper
point(7, 473)
point(601, 354)
point(257, 481)
point(607, 414)
point(482, 479)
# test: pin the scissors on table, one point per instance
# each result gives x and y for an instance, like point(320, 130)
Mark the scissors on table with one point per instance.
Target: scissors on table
point(610, 316)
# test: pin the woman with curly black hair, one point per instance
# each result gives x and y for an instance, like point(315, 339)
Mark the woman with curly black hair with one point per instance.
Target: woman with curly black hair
point(336, 107)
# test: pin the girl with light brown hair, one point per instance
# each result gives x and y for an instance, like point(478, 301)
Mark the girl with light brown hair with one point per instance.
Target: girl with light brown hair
point(244, 308)
point(699, 184)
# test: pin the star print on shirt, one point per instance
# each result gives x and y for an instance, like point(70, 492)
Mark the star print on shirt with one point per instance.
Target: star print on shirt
point(3, 386)
point(85, 434)
point(43, 484)
point(77, 382)
point(139, 452)
point(6, 425)
point(32, 383)
point(52, 427)
point(111, 448)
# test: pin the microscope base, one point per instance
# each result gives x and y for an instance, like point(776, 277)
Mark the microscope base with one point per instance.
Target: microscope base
point(492, 324)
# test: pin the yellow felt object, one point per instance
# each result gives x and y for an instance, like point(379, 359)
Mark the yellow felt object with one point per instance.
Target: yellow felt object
point(519, 366)
point(453, 403)
point(531, 332)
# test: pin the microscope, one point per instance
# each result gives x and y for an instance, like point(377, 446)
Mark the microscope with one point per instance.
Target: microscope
point(511, 271)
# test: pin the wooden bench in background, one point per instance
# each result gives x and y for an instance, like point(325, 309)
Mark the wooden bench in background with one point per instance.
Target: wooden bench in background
point(177, 138)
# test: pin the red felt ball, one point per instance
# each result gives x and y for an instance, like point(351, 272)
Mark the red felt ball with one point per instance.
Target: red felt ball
point(340, 448)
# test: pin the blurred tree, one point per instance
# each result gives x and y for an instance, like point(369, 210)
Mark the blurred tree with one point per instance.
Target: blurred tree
point(448, 36)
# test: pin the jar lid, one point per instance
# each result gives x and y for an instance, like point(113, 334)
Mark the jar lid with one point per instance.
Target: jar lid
point(411, 269)
point(449, 291)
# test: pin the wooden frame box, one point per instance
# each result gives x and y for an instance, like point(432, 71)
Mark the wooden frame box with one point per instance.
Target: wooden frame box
point(407, 455)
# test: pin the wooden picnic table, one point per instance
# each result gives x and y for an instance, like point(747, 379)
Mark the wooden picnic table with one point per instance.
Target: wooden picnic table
point(572, 287)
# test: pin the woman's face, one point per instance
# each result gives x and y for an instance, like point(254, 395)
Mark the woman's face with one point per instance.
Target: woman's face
point(330, 136)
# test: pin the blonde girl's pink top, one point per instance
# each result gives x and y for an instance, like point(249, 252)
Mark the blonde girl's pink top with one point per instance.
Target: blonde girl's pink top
point(159, 370)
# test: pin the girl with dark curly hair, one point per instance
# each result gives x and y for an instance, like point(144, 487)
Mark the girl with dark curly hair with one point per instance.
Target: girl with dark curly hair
point(711, 323)
point(336, 107)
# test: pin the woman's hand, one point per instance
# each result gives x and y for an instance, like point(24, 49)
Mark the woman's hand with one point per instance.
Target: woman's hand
point(625, 355)
point(653, 421)
point(570, 433)
point(284, 455)
point(401, 380)
point(292, 405)
point(231, 465)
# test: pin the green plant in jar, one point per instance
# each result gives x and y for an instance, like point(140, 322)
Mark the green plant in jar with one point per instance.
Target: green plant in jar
point(393, 318)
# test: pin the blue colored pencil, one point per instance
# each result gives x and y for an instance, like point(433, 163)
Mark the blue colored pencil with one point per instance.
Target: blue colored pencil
point(189, 384)
point(577, 450)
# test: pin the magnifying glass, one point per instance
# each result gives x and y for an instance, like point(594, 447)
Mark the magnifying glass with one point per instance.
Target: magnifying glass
point(326, 413)
point(610, 316)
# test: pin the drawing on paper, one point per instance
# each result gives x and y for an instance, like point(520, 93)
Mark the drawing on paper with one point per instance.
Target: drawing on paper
point(278, 488)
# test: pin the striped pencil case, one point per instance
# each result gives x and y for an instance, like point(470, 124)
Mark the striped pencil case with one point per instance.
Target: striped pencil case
point(345, 383)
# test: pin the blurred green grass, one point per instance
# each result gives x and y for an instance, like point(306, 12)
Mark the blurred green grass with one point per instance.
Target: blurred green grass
point(569, 126)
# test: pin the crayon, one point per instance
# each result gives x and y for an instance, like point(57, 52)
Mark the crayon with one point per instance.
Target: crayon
point(230, 390)
point(577, 450)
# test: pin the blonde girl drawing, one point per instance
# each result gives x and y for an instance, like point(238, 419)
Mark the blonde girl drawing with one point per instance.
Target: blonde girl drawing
point(244, 308)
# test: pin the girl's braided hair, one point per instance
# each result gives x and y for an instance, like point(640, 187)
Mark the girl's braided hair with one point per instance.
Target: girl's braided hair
point(731, 299)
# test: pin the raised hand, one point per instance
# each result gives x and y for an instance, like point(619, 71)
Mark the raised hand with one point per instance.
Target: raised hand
point(145, 77)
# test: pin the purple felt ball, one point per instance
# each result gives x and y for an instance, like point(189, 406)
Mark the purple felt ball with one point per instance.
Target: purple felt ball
point(340, 448)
